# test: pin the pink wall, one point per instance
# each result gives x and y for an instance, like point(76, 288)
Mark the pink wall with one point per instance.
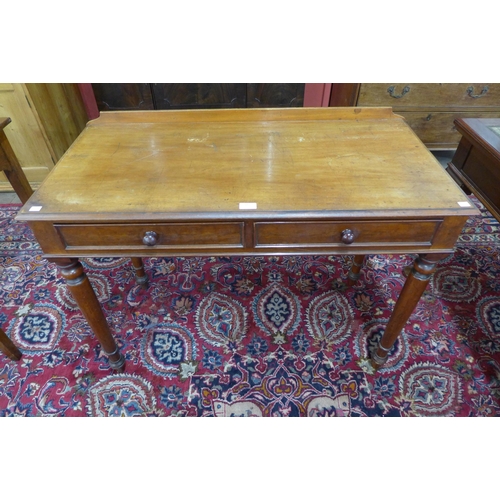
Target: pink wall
point(317, 94)
point(89, 100)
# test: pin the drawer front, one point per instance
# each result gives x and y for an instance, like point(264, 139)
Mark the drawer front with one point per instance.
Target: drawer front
point(333, 234)
point(436, 129)
point(425, 95)
point(168, 236)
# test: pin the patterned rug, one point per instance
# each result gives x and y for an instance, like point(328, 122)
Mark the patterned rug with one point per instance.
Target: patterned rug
point(252, 336)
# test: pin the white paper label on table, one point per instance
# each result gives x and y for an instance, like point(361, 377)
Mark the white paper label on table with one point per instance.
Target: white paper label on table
point(248, 206)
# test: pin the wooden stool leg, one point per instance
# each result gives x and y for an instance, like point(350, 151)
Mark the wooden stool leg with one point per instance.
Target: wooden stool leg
point(8, 347)
point(354, 273)
point(85, 297)
point(140, 275)
point(423, 268)
point(13, 170)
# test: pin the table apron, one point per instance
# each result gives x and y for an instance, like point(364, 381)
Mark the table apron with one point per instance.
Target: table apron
point(250, 237)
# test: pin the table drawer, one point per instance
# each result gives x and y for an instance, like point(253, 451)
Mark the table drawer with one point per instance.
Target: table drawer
point(167, 235)
point(424, 95)
point(339, 234)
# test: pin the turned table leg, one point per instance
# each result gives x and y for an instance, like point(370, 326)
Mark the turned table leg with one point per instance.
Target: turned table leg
point(423, 268)
point(354, 273)
point(84, 295)
point(140, 275)
point(8, 347)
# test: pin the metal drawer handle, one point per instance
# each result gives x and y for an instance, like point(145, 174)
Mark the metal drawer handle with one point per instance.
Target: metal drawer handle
point(392, 88)
point(347, 236)
point(150, 238)
point(470, 91)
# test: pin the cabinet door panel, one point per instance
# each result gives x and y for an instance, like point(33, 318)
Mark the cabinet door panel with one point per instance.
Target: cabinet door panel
point(25, 134)
point(199, 95)
point(271, 95)
point(60, 110)
point(123, 96)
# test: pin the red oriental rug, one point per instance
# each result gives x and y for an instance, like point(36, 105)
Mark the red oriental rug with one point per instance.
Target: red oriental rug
point(252, 336)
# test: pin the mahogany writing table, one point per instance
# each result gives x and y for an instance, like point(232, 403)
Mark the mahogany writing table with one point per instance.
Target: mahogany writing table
point(244, 182)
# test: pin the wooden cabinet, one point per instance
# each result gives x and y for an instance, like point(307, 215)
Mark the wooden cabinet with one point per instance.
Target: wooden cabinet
point(140, 96)
point(476, 162)
point(198, 95)
point(275, 95)
point(431, 108)
point(123, 96)
point(46, 119)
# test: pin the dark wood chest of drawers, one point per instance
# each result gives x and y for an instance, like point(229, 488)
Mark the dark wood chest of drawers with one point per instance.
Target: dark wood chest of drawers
point(476, 162)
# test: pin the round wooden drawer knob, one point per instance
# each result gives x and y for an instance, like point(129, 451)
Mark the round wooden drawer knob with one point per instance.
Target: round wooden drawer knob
point(347, 236)
point(150, 238)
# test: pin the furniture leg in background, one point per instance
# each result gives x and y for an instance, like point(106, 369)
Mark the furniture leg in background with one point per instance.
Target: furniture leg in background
point(8, 347)
point(15, 175)
point(140, 275)
point(354, 273)
point(11, 167)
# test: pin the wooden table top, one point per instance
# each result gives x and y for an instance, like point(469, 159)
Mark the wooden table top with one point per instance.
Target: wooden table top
point(324, 162)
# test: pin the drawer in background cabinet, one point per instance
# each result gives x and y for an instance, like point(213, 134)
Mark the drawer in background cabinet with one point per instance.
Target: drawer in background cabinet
point(436, 129)
point(425, 95)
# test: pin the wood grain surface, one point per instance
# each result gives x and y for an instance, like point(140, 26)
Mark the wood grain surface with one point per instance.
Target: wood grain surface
point(302, 160)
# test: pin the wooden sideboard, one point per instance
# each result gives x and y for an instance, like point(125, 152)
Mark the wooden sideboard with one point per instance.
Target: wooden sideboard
point(46, 119)
point(431, 108)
